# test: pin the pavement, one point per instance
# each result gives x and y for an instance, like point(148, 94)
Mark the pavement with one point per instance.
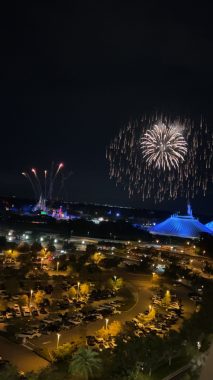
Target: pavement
point(24, 359)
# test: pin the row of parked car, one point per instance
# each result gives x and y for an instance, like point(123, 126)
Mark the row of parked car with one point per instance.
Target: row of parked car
point(162, 321)
point(17, 311)
point(66, 321)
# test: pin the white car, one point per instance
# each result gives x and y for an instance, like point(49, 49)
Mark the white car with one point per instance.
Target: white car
point(116, 312)
point(9, 315)
point(28, 334)
point(26, 311)
point(74, 322)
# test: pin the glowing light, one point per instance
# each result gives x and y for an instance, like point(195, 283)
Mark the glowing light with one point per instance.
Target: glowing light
point(163, 146)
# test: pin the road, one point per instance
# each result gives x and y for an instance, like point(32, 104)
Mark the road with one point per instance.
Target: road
point(24, 359)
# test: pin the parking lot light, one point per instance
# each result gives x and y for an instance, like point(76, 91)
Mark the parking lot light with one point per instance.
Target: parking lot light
point(31, 296)
point(58, 338)
point(78, 293)
point(106, 323)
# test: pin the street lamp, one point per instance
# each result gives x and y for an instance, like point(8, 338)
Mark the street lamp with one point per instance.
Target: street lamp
point(78, 283)
point(106, 323)
point(58, 338)
point(198, 345)
point(31, 295)
point(57, 265)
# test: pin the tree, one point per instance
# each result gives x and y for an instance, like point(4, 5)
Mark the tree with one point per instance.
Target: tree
point(12, 285)
point(36, 247)
point(85, 363)
point(114, 328)
point(72, 292)
point(3, 304)
point(115, 283)
point(97, 257)
point(151, 315)
point(69, 270)
point(63, 352)
point(11, 254)
point(8, 372)
point(51, 248)
point(84, 289)
point(3, 242)
point(23, 247)
point(167, 298)
point(39, 296)
point(23, 300)
point(103, 333)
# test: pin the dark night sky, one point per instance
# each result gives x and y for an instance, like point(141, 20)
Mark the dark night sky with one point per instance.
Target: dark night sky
point(72, 74)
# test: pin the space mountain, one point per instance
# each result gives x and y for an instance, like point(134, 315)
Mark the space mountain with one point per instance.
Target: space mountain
point(183, 226)
point(210, 226)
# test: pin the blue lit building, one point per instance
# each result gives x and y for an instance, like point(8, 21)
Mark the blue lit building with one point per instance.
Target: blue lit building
point(183, 226)
point(210, 226)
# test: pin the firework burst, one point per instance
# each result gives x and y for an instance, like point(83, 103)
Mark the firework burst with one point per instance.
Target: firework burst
point(162, 158)
point(163, 146)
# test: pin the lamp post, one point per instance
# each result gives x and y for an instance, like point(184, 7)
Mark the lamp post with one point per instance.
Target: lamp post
point(58, 338)
point(57, 265)
point(106, 323)
point(31, 296)
point(78, 283)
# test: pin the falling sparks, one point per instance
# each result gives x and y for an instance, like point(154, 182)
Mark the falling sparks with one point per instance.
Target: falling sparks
point(161, 158)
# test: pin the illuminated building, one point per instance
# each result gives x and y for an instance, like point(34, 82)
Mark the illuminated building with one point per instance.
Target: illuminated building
point(183, 226)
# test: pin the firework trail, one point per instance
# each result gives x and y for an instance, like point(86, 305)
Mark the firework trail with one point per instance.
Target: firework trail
point(162, 158)
point(43, 187)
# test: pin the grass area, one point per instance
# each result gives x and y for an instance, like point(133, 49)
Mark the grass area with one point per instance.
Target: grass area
point(44, 353)
point(165, 370)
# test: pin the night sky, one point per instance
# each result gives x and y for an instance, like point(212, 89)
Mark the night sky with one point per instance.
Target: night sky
point(73, 74)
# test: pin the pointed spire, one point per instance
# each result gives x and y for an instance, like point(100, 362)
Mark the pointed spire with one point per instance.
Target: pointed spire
point(189, 210)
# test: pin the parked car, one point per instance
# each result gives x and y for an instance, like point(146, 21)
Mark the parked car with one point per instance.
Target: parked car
point(26, 311)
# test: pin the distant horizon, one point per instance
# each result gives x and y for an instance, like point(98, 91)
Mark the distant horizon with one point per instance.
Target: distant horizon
point(158, 208)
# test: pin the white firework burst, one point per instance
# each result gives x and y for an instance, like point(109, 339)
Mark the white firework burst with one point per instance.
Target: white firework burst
point(163, 146)
point(161, 157)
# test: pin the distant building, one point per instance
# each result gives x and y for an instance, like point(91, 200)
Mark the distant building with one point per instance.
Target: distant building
point(183, 226)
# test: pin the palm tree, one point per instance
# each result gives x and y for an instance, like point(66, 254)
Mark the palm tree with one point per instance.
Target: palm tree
point(85, 363)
